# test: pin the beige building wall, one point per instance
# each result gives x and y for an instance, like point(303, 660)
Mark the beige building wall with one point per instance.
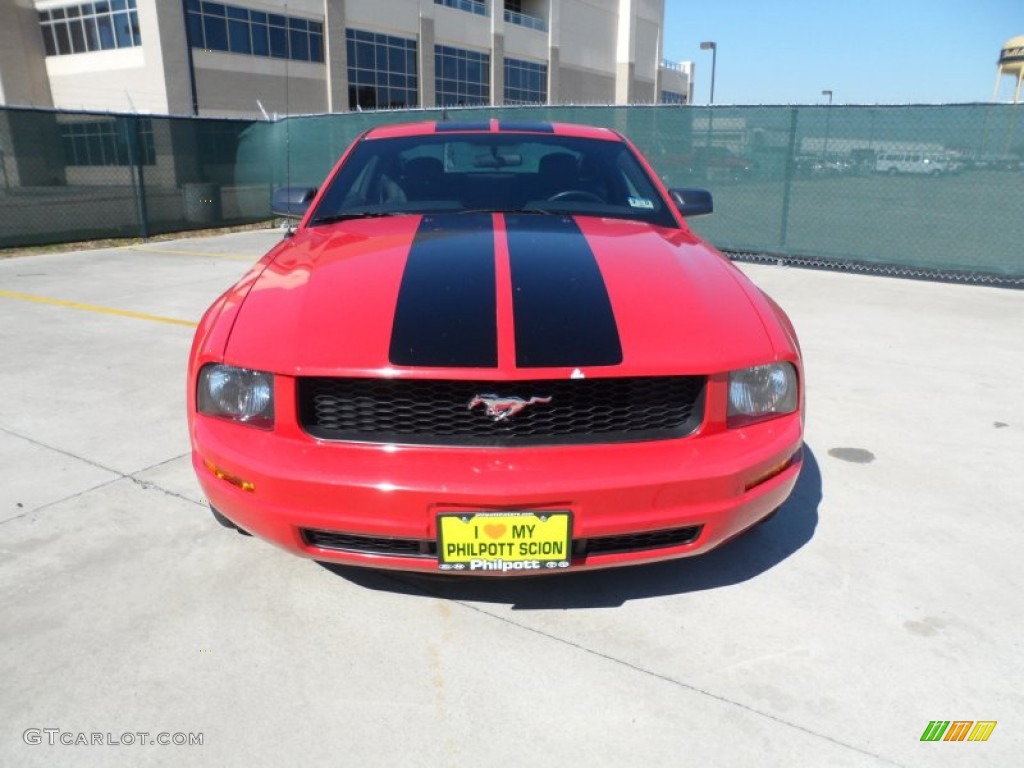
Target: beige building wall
point(114, 81)
point(395, 17)
point(461, 29)
point(427, 68)
point(638, 51)
point(677, 78)
point(609, 51)
point(238, 85)
point(23, 80)
point(581, 86)
point(122, 80)
point(646, 65)
point(586, 35)
point(336, 56)
point(597, 51)
point(650, 20)
point(231, 85)
point(524, 43)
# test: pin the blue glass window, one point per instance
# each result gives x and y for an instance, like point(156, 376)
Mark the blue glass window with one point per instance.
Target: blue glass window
point(195, 30)
point(462, 77)
point(63, 39)
point(299, 40)
point(382, 71)
point(123, 29)
point(479, 7)
point(216, 33)
point(108, 142)
point(526, 82)
point(279, 42)
point(260, 39)
point(238, 36)
point(234, 29)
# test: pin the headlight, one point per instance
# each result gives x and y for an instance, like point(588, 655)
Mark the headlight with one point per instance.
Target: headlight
point(237, 394)
point(761, 392)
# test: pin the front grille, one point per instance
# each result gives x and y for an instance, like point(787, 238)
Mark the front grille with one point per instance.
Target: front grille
point(425, 412)
point(369, 545)
point(637, 542)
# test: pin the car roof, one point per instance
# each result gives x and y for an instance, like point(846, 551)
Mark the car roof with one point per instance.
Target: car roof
point(492, 126)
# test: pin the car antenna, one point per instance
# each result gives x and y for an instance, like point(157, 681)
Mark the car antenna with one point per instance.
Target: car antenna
point(287, 135)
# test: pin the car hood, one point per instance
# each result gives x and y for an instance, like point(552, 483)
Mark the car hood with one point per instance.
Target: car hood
point(498, 296)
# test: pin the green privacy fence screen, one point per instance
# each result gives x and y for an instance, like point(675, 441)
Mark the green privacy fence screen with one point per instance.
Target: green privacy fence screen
point(929, 188)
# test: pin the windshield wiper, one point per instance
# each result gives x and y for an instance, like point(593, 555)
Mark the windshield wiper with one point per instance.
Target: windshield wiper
point(537, 211)
point(350, 215)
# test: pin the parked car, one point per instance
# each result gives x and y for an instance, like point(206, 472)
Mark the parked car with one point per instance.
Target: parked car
point(997, 163)
point(494, 348)
point(816, 166)
point(717, 164)
point(916, 163)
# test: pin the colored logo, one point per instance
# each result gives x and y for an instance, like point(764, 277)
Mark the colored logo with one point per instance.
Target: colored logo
point(503, 408)
point(958, 730)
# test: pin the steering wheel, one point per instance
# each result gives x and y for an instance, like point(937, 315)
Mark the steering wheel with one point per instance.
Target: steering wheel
point(577, 194)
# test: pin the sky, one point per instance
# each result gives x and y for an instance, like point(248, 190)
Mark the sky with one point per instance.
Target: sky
point(864, 51)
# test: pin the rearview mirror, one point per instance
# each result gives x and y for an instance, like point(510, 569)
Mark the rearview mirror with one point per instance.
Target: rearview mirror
point(692, 202)
point(292, 202)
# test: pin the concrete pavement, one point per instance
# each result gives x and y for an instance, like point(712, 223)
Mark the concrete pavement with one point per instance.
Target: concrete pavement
point(881, 597)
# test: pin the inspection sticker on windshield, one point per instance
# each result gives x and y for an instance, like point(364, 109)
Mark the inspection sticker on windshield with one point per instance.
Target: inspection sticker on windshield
point(641, 202)
point(504, 541)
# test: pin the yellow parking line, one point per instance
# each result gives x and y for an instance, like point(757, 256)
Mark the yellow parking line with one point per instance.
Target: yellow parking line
point(96, 308)
point(201, 254)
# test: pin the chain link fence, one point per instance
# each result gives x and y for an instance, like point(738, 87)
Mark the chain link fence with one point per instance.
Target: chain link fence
point(929, 191)
point(67, 176)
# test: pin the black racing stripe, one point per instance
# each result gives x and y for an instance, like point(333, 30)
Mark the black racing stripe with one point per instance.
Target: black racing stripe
point(462, 125)
point(563, 316)
point(529, 126)
point(446, 314)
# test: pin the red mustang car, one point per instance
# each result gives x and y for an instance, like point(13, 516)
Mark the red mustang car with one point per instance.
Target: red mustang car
point(494, 348)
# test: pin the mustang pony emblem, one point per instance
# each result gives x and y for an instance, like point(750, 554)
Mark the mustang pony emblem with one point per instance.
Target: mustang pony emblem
point(503, 408)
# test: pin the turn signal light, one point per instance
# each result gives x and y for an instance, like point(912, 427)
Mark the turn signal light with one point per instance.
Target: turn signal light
point(220, 474)
point(775, 471)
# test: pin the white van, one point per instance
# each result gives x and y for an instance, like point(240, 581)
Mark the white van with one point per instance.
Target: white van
point(915, 162)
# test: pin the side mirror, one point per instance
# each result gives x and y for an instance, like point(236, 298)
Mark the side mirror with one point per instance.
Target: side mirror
point(692, 202)
point(292, 202)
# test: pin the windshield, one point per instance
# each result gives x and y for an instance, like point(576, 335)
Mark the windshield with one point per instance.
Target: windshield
point(507, 172)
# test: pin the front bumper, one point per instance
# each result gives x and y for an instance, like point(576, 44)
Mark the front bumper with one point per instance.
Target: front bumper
point(377, 505)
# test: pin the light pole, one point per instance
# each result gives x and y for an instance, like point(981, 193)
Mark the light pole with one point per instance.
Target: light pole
point(709, 45)
point(828, 121)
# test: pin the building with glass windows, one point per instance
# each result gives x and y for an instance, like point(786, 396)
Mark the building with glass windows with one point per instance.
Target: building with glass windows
point(250, 58)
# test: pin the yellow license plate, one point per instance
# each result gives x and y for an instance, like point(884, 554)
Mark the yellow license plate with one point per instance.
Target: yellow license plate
point(504, 541)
